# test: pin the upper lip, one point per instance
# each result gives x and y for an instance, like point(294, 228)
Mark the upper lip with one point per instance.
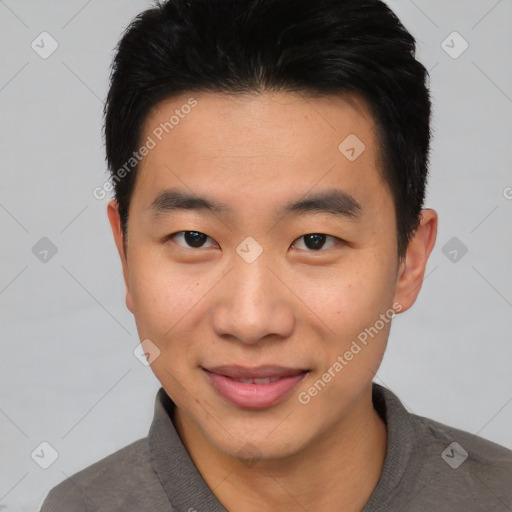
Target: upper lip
point(256, 372)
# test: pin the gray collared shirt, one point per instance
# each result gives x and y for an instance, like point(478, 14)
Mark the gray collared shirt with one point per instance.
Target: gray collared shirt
point(428, 467)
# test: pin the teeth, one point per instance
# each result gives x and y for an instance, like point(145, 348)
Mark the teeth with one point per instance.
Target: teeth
point(266, 380)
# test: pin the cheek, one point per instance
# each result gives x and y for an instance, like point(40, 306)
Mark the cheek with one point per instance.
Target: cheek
point(160, 296)
point(163, 300)
point(170, 302)
point(351, 296)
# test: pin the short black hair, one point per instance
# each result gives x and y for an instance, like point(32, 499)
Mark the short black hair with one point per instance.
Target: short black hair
point(314, 47)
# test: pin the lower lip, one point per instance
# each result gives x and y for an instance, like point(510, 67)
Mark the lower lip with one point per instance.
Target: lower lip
point(254, 396)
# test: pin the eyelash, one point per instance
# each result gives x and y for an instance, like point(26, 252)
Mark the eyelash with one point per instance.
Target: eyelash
point(327, 237)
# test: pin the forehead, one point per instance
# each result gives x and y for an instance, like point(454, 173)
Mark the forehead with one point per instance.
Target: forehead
point(217, 119)
point(266, 144)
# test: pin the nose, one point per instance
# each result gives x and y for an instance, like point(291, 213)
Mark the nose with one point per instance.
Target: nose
point(253, 304)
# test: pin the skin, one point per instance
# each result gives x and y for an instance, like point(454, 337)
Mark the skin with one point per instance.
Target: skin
point(293, 306)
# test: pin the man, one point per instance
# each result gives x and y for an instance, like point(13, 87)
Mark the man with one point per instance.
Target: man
point(269, 160)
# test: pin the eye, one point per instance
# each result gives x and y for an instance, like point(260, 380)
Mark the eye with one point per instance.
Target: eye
point(192, 239)
point(315, 242)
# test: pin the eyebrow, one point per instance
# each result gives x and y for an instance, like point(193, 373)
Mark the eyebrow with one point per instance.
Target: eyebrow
point(171, 200)
point(332, 201)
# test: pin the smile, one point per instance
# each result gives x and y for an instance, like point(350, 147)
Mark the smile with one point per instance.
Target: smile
point(254, 388)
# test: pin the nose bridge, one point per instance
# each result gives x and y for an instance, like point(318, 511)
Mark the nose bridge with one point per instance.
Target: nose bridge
point(251, 283)
point(252, 303)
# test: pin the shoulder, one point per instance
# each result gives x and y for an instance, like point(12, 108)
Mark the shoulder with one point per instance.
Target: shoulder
point(464, 464)
point(117, 482)
point(478, 451)
point(433, 466)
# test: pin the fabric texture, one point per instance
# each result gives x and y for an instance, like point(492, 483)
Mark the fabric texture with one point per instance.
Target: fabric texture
point(428, 467)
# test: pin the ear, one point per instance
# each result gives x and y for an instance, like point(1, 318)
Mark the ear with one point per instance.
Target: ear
point(412, 267)
point(117, 231)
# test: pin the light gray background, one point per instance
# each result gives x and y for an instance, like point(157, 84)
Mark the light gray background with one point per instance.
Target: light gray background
point(68, 373)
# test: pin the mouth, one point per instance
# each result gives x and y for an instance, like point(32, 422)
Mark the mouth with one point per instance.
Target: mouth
point(254, 388)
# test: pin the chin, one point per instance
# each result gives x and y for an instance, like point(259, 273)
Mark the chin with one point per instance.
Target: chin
point(250, 451)
point(255, 444)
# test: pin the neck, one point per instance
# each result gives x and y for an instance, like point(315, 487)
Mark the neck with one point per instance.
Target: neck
point(343, 466)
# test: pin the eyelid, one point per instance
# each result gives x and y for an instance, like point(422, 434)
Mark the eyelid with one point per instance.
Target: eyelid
point(172, 236)
point(337, 241)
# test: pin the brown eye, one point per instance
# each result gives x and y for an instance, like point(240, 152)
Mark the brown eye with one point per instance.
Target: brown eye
point(192, 239)
point(315, 242)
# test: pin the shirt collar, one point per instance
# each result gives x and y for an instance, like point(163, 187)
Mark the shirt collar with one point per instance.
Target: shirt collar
point(401, 443)
point(176, 471)
point(186, 488)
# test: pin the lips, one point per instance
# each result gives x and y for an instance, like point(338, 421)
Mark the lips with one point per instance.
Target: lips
point(254, 388)
point(259, 372)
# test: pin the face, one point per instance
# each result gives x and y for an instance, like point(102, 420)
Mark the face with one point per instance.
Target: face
point(259, 248)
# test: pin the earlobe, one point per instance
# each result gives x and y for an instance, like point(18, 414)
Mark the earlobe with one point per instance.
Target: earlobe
point(412, 267)
point(117, 231)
